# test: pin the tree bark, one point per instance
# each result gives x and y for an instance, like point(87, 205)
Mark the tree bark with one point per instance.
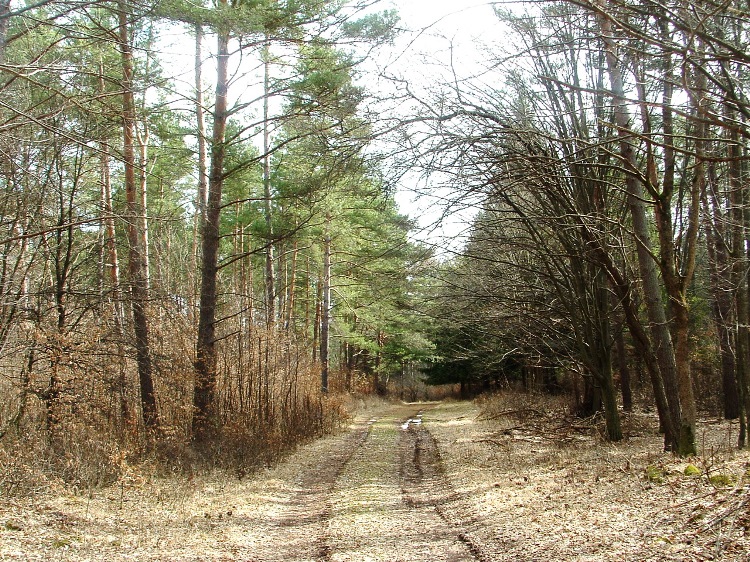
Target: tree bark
point(291, 290)
point(202, 198)
point(325, 309)
point(603, 338)
point(136, 267)
point(267, 202)
point(202, 189)
point(112, 263)
point(4, 23)
point(142, 137)
point(205, 363)
point(622, 290)
point(622, 362)
point(739, 225)
point(317, 320)
point(721, 296)
point(658, 325)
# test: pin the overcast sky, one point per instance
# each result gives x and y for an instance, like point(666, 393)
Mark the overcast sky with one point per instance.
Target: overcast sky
point(442, 32)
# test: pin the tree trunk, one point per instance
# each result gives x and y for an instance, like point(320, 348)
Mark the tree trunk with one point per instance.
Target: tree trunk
point(308, 297)
point(205, 363)
point(4, 22)
point(317, 321)
point(611, 414)
point(591, 399)
point(136, 266)
point(111, 263)
point(721, 297)
point(604, 356)
point(659, 327)
point(267, 207)
point(622, 366)
point(291, 289)
point(686, 445)
point(678, 280)
point(142, 137)
point(326, 309)
point(201, 200)
point(622, 291)
point(281, 281)
point(739, 224)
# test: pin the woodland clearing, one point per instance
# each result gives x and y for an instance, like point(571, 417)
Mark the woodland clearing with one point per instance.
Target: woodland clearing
point(507, 478)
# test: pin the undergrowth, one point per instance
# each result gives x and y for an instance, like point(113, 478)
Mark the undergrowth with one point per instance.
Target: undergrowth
point(79, 457)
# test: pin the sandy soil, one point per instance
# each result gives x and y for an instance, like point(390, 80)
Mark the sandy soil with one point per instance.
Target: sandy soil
point(419, 482)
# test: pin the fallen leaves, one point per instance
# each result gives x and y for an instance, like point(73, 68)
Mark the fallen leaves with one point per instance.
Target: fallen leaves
point(509, 490)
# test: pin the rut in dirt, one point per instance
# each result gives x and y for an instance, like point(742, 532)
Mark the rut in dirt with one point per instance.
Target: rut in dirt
point(304, 521)
point(425, 486)
point(376, 493)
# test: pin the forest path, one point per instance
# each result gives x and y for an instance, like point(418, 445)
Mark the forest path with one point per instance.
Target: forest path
point(374, 491)
point(370, 494)
point(441, 482)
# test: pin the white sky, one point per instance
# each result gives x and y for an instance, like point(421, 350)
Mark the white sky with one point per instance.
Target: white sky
point(444, 32)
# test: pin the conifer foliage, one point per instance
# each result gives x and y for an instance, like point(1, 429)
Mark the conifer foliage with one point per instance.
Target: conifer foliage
point(183, 260)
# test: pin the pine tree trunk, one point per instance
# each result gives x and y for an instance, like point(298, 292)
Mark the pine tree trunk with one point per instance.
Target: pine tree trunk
point(678, 280)
point(622, 358)
point(604, 356)
point(142, 137)
point(317, 320)
point(267, 207)
point(136, 266)
point(721, 297)
point(659, 327)
point(739, 226)
point(202, 191)
point(325, 343)
point(206, 361)
point(4, 21)
point(611, 414)
point(291, 289)
point(111, 263)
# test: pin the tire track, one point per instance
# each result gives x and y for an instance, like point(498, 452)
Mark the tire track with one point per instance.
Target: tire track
point(310, 506)
point(424, 484)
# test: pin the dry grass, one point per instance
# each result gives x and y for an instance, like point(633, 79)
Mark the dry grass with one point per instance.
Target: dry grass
point(546, 486)
point(147, 514)
point(530, 485)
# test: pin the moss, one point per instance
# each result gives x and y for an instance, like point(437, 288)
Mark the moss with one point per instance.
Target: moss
point(721, 480)
point(686, 442)
point(12, 526)
point(655, 474)
point(692, 470)
point(61, 543)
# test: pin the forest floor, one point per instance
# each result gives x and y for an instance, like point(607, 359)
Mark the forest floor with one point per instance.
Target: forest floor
point(516, 480)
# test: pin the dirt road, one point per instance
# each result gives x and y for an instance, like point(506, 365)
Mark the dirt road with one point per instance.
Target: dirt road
point(375, 491)
point(375, 494)
point(415, 483)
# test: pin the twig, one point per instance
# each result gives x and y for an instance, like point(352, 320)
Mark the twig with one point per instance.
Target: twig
point(519, 413)
point(738, 506)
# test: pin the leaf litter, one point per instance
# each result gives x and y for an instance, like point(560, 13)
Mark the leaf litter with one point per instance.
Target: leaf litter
point(419, 482)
